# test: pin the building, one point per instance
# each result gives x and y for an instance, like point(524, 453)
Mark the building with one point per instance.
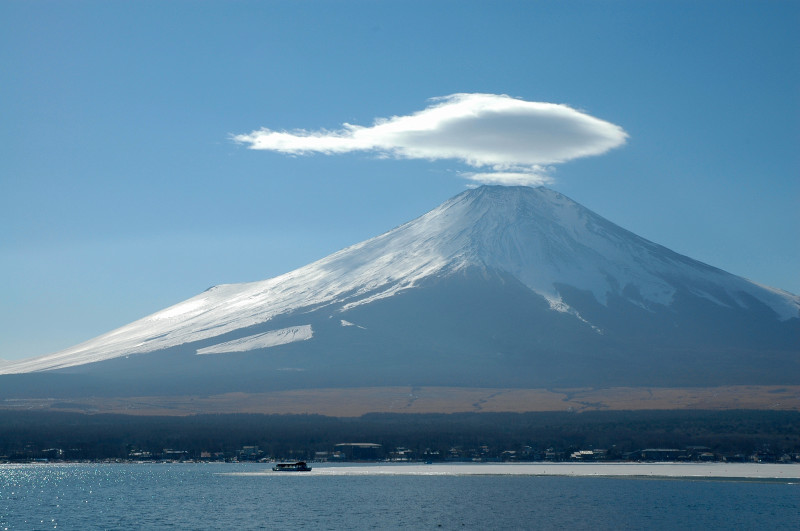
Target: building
point(360, 451)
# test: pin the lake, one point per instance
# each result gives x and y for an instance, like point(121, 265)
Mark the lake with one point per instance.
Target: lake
point(250, 496)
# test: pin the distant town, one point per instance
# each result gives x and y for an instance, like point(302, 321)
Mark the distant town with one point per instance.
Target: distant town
point(373, 452)
point(686, 436)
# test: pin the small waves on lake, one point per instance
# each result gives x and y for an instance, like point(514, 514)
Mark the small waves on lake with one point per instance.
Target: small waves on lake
point(250, 496)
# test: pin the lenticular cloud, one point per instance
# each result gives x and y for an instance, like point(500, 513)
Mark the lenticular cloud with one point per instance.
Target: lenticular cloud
point(511, 137)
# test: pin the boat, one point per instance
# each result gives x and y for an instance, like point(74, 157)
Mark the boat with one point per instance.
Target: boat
point(299, 466)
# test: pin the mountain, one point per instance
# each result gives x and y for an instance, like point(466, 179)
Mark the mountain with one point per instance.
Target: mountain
point(496, 287)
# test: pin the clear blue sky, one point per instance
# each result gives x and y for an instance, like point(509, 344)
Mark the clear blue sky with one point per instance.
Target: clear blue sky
point(122, 191)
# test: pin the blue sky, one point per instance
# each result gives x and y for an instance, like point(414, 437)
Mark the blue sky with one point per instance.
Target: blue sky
point(122, 190)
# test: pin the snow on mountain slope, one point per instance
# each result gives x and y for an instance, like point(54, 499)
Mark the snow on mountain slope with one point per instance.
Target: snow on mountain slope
point(537, 235)
point(544, 238)
point(273, 338)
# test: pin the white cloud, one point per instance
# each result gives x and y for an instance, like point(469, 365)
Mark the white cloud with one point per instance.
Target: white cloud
point(511, 137)
point(510, 178)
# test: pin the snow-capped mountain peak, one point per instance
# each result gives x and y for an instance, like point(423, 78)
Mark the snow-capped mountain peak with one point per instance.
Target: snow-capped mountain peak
point(540, 237)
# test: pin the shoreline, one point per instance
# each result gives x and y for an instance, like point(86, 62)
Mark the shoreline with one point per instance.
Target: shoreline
point(788, 472)
point(745, 471)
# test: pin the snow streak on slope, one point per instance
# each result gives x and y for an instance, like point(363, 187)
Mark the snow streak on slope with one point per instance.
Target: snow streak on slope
point(273, 338)
point(537, 235)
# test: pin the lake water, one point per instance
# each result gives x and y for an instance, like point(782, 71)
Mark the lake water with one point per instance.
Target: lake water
point(249, 496)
